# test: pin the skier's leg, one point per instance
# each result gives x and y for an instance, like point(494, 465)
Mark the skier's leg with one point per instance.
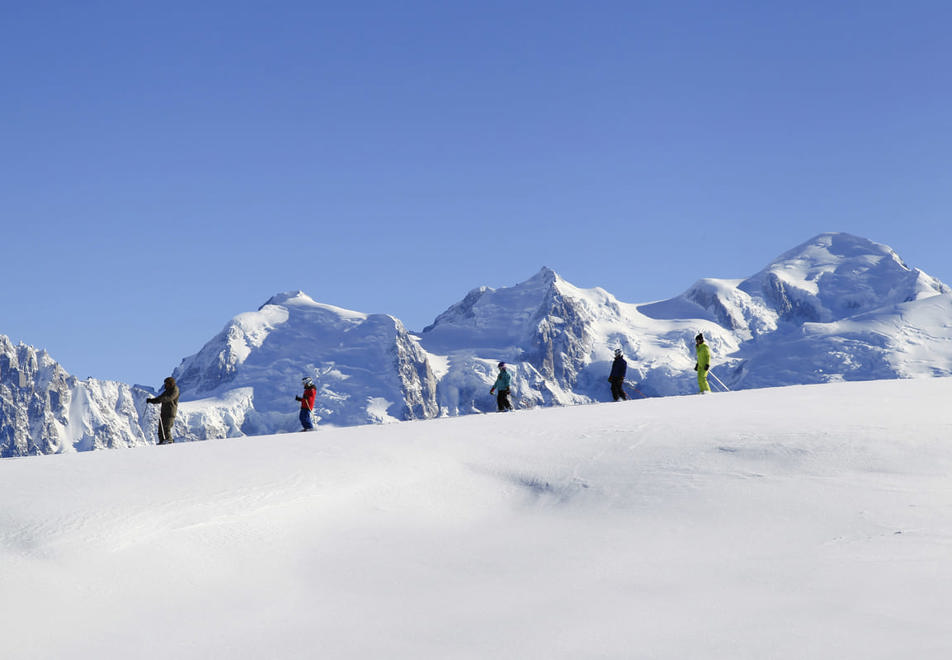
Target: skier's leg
point(165, 430)
point(702, 381)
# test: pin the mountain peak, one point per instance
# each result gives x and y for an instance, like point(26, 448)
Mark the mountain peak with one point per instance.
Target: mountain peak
point(289, 298)
point(545, 275)
point(838, 275)
point(838, 246)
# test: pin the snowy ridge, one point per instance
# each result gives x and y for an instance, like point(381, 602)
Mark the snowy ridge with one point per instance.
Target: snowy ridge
point(837, 307)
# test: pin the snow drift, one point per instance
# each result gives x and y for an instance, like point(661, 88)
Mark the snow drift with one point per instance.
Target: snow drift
point(789, 523)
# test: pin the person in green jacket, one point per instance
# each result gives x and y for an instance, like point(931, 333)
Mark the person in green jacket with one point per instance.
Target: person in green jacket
point(703, 363)
point(501, 387)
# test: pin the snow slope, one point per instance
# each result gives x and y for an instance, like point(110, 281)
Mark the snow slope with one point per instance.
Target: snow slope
point(799, 522)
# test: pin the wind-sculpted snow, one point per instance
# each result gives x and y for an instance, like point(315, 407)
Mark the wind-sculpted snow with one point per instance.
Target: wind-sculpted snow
point(782, 523)
point(838, 307)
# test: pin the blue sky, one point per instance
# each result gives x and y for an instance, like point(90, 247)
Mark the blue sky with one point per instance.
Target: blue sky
point(169, 165)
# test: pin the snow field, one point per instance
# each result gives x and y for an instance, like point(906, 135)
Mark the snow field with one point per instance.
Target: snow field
point(809, 521)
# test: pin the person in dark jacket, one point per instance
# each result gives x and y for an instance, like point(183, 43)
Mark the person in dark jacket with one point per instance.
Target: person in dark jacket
point(169, 400)
point(307, 404)
point(501, 387)
point(617, 376)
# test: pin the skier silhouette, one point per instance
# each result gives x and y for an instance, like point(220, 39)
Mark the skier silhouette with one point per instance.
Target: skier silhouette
point(501, 387)
point(307, 404)
point(169, 400)
point(617, 376)
point(703, 363)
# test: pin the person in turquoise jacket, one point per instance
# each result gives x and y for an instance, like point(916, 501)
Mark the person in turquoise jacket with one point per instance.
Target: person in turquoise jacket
point(501, 388)
point(703, 363)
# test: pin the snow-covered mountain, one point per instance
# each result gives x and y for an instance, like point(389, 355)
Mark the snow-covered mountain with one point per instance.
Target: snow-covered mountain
point(367, 369)
point(837, 307)
point(559, 339)
point(44, 410)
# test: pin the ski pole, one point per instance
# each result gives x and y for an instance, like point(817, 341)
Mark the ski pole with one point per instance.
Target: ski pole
point(635, 389)
point(711, 374)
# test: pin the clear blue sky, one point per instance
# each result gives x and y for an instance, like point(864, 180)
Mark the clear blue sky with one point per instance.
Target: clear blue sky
point(167, 165)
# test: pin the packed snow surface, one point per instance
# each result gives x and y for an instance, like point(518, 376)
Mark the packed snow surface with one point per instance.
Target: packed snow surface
point(799, 522)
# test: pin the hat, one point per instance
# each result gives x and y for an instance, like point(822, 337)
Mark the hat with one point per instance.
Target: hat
point(502, 365)
point(617, 352)
point(307, 381)
point(699, 338)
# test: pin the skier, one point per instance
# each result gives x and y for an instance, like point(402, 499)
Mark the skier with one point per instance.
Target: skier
point(501, 387)
point(307, 403)
point(169, 400)
point(703, 363)
point(617, 376)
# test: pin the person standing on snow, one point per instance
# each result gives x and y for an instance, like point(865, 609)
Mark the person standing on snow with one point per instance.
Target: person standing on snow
point(617, 376)
point(703, 363)
point(501, 387)
point(307, 403)
point(169, 400)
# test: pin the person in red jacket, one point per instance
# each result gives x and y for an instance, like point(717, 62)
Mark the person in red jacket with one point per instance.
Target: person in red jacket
point(307, 404)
